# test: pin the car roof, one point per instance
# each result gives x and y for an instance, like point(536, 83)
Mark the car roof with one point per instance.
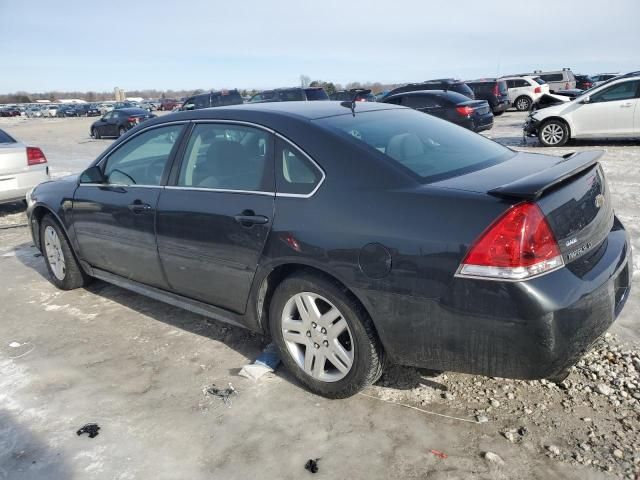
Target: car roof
point(130, 110)
point(298, 110)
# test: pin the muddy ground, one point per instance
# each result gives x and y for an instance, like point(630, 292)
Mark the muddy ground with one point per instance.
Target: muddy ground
point(138, 368)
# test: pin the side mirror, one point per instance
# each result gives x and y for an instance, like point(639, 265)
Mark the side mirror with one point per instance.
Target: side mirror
point(93, 175)
point(586, 99)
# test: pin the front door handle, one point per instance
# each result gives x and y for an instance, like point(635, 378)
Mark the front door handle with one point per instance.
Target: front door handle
point(625, 105)
point(248, 218)
point(139, 207)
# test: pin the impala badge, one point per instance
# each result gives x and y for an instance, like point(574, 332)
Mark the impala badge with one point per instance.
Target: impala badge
point(599, 200)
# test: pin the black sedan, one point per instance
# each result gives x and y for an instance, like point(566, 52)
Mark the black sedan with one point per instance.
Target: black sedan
point(117, 122)
point(476, 115)
point(351, 233)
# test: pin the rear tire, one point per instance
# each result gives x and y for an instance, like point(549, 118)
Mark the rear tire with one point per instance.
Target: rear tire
point(333, 325)
point(553, 133)
point(121, 132)
point(64, 270)
point(522, 103)
point(95, 134)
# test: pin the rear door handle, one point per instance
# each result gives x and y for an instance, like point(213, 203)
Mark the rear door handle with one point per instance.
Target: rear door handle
point(248, 218)
point(139, 207)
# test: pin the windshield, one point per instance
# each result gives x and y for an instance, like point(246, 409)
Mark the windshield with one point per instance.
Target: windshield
point(316, 94)
point(425, 146)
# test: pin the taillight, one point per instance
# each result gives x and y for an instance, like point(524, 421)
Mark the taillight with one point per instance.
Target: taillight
point(537, 90)
point(133, 119)
point(496, 90)
point(466, 111)
point(518, 245)
point(35, 156)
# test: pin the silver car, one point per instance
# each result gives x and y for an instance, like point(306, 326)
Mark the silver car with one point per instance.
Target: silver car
point(558, 80)
point(22, 167)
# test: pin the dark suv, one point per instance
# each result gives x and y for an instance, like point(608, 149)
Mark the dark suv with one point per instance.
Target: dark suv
point(220, 98)
point(357, 95)
point(295, 94)
point(446, 84)
point(494, 91)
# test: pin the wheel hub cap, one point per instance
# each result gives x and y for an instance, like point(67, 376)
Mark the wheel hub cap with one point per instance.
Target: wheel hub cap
point(318, 337)
point(55, 256)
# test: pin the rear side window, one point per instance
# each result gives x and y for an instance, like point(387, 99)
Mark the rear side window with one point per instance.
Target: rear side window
point(227, 157)
point(141, 160)
point(201, 101)
point(552, 77)
point(426, 147)
point(5, 138)
point(316, 94)
point(295, 173)
point(290, 95)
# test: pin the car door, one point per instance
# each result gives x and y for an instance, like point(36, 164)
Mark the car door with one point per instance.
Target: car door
point(114, 221)
point(103, 124)
point(214, 217)
point(609, 112)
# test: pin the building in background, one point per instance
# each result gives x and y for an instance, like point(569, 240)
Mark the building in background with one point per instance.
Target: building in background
point(119, 94)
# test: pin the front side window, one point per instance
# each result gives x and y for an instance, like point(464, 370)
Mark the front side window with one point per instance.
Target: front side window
point(142, 160)
point(228, 157)
point(621, 91)
point(295, 173)
point(425, 146)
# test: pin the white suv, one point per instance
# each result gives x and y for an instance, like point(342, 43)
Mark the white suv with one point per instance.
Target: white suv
point(523, 91)
point(610, 110)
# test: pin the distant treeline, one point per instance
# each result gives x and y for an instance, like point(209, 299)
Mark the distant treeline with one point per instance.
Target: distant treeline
point(90, 96)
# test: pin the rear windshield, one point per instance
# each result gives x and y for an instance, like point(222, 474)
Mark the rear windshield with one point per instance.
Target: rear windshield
point(5, 138)
point(425, 146)
point(462, 88)
point(316, 94)
point(539, 80)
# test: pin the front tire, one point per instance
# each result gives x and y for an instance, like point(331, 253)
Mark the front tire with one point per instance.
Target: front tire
point(553, 133)
point(522, 104)
point(325, 337)
point(64, 270)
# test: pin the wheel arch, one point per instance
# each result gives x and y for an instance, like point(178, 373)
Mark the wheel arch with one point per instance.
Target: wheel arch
point(37, 214)
point(274, 277)
point(560, 119)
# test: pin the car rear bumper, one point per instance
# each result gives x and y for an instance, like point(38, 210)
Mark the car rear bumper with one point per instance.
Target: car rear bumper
point(501, 107)
point(529, 330)
point(14, 187)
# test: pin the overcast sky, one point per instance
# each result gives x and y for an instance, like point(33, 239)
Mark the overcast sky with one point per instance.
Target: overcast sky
point(136, 44)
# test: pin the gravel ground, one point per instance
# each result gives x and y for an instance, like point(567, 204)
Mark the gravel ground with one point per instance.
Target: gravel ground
point(454, 426)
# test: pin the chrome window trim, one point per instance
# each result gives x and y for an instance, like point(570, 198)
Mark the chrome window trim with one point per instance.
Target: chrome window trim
point(302, 195)
point(219, 190)
point(121, 185)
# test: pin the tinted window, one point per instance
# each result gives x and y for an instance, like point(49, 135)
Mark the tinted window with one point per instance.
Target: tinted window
point(463, 89)
point(289, 95)
point(230, 98)
point(482, 87)
point(316, 94)
point(201, 101)
point(425, 146)
point(5, 138)
point(422, 101)
point(552, 77)
point(141, 160)
point(621, 91)
point(394, 100)
point(295, 173)
point(228, 157)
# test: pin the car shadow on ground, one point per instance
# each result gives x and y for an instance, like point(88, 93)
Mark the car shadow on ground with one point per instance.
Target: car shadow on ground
point(246, 342)
point(12, 208)
point(24, 455)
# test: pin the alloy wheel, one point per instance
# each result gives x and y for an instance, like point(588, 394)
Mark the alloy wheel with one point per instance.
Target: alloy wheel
point(552, 133)
point(523, 104)
point(318, 337)
point(55, 255)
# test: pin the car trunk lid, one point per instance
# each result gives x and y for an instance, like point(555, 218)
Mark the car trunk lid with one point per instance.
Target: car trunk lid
point(571, 191)
point(13, 158)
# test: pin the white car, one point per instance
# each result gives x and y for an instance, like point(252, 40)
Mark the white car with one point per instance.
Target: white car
point(106, 108)
point(21, 168)
point(50, 111)
point(523, 91)
point(611, 110)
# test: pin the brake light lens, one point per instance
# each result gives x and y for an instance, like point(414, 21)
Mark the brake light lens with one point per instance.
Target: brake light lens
point(132, 119)
point(466, 111)
point(496, 90)
point(537, 90)
point(35, 156)
point(518, 245)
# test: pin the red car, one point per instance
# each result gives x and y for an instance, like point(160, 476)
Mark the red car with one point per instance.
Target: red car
point(9, 112)
point(168, 104)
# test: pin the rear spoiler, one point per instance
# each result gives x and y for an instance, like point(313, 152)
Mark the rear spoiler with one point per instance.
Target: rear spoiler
point(533, 186)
